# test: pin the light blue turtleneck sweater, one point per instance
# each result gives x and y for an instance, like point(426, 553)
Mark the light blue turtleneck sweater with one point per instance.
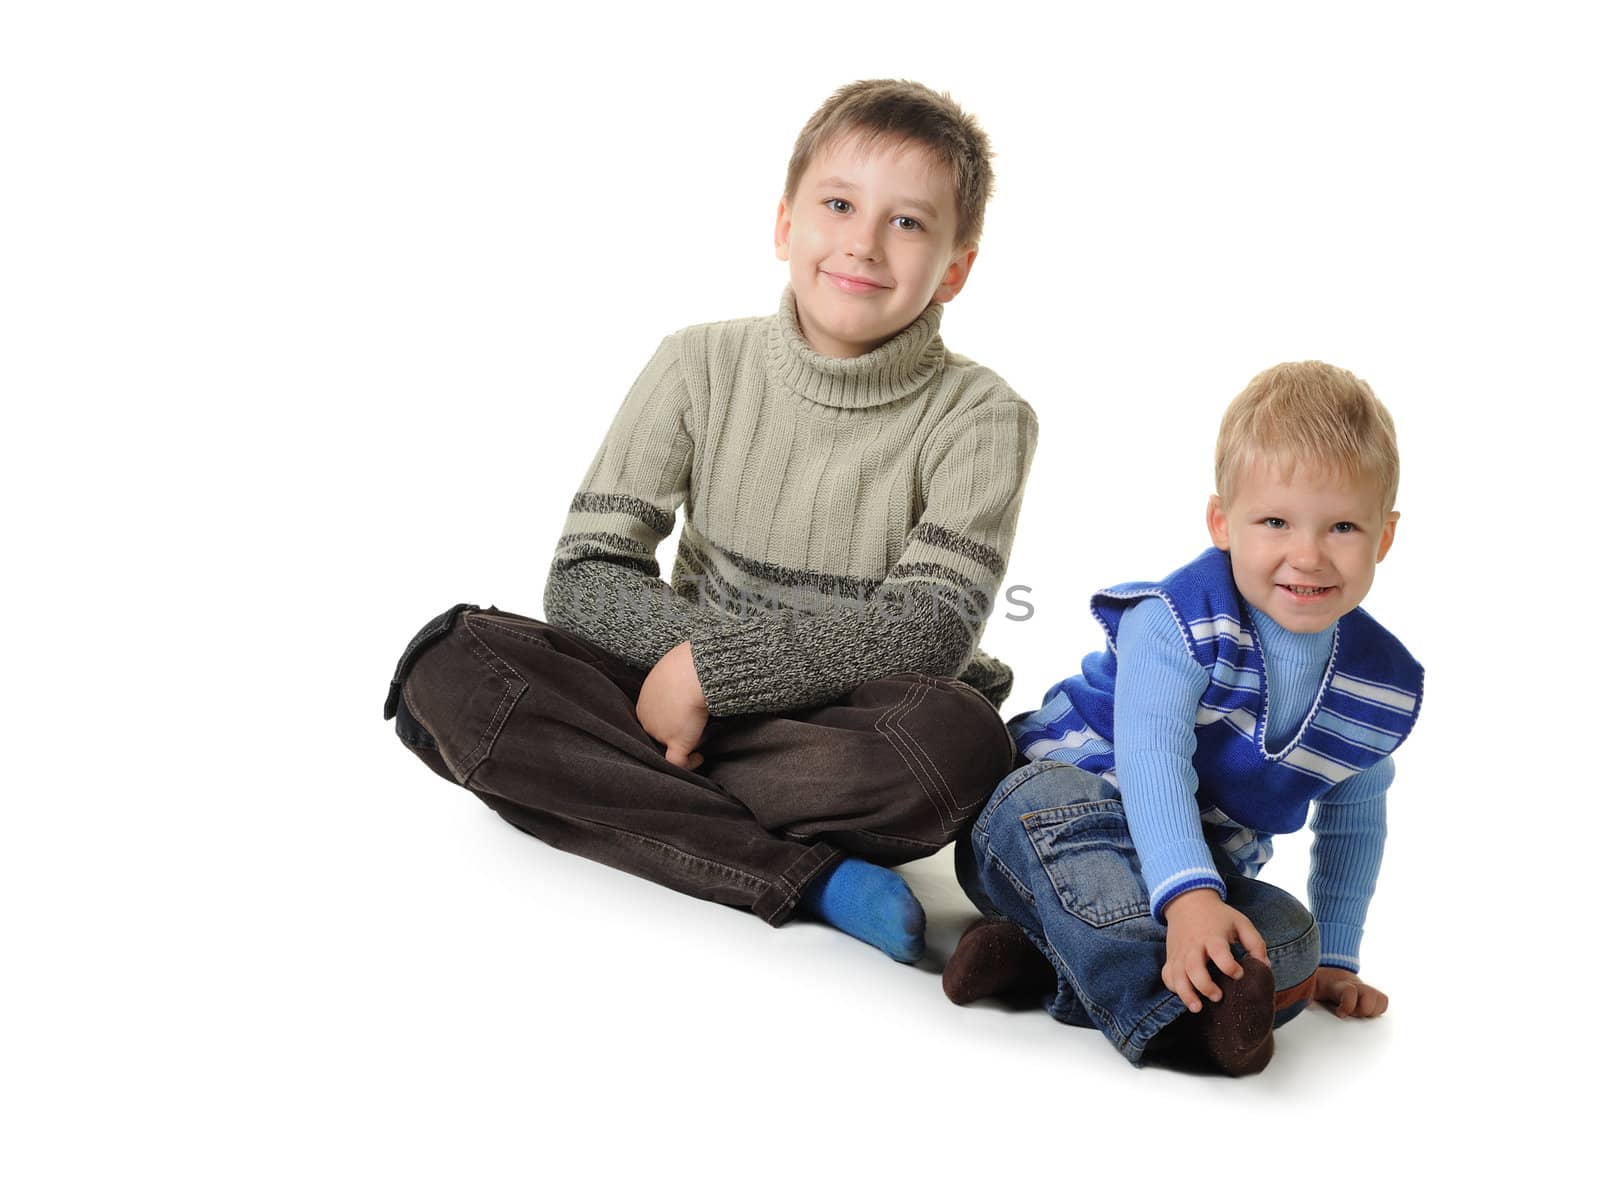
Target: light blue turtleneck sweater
point(1158, 690)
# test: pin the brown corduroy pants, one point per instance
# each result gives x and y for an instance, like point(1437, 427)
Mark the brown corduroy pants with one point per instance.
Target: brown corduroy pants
point(540, 725)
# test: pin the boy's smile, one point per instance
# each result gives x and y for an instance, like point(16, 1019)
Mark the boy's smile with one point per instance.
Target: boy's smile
point(1304, 544)
point(869, 236)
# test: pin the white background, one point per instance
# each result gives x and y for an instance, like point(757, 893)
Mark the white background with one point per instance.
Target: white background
point(313, 315)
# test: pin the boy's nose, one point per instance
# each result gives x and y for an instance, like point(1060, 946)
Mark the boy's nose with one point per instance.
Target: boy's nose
point(1305, 553)
point(864, 243)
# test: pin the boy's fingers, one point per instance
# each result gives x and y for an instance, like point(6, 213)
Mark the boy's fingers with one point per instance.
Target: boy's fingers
point(1174, 979)
point(1222, 955)
point(1347, 1001)
point(1201, 976)
point(1250, 939)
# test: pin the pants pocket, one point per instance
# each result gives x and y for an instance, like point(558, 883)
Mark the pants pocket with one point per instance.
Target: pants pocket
point(1088, 855)
point(435, 629)
point(460, 693)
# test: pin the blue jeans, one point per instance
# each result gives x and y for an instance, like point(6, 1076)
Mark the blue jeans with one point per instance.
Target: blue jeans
point(1052, 853)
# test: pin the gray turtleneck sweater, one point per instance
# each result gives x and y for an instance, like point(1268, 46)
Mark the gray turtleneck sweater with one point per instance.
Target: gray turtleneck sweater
point(845, 518)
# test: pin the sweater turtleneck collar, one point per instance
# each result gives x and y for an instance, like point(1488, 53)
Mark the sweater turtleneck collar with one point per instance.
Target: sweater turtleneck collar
point(892, 371)
point(1300, 648)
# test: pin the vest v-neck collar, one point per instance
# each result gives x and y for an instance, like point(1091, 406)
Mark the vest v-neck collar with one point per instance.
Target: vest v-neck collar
point(1253, 620)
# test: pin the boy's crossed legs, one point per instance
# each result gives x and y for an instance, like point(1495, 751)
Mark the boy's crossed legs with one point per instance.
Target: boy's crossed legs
point(1051, 853)
point(540, 724)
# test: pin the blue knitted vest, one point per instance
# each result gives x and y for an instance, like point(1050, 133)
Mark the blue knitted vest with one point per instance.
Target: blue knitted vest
point(1366, 707)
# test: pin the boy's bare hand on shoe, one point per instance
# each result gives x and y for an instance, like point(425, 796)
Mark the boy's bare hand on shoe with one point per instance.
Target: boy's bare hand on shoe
point(672, 707)
point(1202, 928)
point(1347, 995)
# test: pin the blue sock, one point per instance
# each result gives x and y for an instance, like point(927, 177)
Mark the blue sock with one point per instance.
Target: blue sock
point(871, 903)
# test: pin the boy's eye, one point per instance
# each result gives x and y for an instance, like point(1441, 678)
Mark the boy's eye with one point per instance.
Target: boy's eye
point(1344, 526)
point(1275, 522)
point(908, 223)
point(837, 205)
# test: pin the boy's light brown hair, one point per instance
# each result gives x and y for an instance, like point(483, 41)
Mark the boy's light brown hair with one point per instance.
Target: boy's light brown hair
point(1313, 413)
point(899, 110)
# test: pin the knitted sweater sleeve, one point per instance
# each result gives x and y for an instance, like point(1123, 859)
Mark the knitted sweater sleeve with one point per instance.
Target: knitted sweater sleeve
point(605, 583)
point(927, 614)
point(1158, 691)
point(1348, 827)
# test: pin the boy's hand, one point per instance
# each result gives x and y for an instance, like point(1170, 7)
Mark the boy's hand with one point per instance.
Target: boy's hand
point(1347, 994)
point(672, 707)
point(1202, 928)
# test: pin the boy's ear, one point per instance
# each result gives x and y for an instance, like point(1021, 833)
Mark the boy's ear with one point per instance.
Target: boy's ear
point(955, 276)
point(1217, 522)
point(780, 235)
point(1386, 538)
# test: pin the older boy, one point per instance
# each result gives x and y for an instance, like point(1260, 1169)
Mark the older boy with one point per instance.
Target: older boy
point(1127, 850)
point(806, 702)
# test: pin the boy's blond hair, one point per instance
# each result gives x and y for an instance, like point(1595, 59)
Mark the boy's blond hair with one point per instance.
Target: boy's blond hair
point(899, 110)
point(1310, 412)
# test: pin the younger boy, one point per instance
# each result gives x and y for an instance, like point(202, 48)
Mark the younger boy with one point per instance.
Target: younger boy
point(806, 703)
point(1127, 850)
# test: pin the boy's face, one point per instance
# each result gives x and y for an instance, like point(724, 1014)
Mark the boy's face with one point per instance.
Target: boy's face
point(869, 235)
point(1304, 543)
